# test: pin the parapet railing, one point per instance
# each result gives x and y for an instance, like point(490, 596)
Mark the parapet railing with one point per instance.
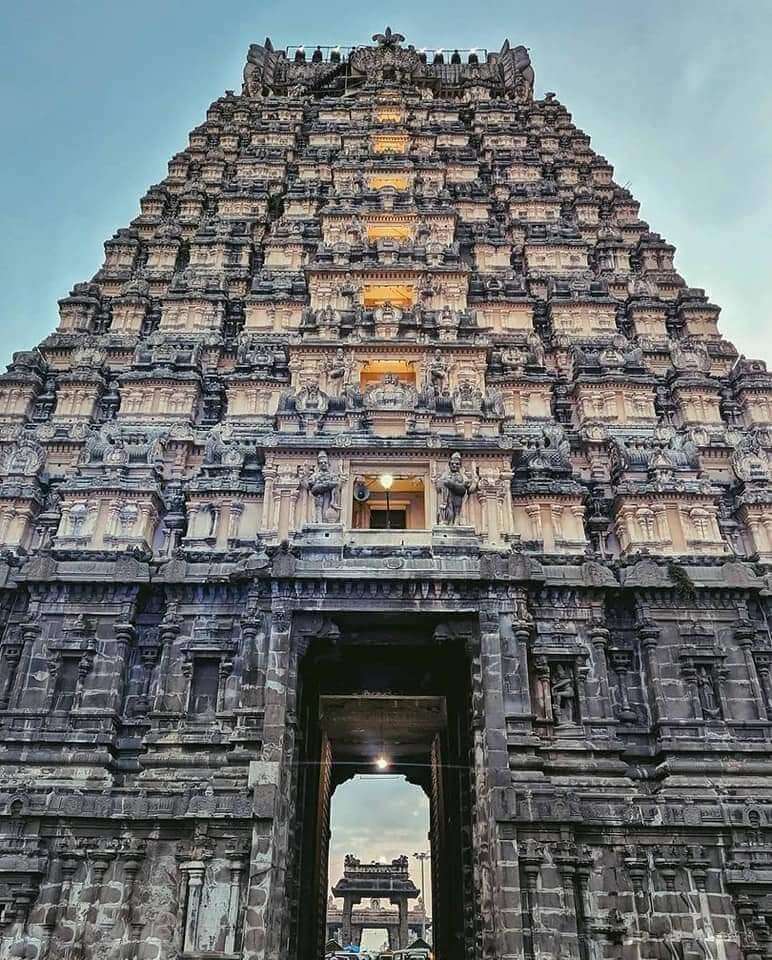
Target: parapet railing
point(340, 52)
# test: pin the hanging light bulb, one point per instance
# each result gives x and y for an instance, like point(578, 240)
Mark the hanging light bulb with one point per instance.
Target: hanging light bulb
point(382, 763)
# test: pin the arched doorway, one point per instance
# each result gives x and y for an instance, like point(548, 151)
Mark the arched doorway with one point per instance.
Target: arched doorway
point(378, 819)
point(400, 691)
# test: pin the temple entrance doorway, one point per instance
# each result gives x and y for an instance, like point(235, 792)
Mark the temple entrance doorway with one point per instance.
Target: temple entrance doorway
point(391, 698)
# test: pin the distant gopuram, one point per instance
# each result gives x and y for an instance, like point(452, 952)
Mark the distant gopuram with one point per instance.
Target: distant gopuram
point(380, 884)
point(387, 437)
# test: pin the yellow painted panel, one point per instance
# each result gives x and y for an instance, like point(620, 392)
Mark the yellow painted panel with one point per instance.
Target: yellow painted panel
point(388, 116)
point(375, 370)
point(394, 231)
point(398, 295)
point(379, 180)
point(383, 143)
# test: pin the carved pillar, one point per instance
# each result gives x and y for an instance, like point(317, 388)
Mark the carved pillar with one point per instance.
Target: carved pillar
point(566, 866)
point(745, 633)
point(599, 638)
point(542, 689)
point(224, 670)
point(491, 775)
point(530, 867)
point(517, 691)
point(100, 864)
point(638, 870)
point(763, 664)
point(621, 664)
point(131, 922)
point(68, 866)
point(699, 871)
point(403, 924)
point(124, 636)
point(85, 665)
point(234, 519)
point(194, 884)
point(267, 519)
point(271, 778)
point(649, 637)
point(253, 652)
point(11, 654)
point(168, 631)
point(235, 867)
point(29, 634)
point(346, 929)
point(689, 674)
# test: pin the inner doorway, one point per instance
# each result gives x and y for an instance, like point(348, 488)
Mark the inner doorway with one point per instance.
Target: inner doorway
point(386, 690)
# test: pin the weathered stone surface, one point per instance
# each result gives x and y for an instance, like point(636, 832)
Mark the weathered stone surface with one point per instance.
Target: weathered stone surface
point(389, 395)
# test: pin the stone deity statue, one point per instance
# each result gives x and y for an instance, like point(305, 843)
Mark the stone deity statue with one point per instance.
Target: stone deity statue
point(562, 695)
point(711, 705)
point(324, 487)
point(338, 371)
point(437, 370)
point(454, 485)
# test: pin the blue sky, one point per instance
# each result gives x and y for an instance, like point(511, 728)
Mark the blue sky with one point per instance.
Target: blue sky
point(98, 95)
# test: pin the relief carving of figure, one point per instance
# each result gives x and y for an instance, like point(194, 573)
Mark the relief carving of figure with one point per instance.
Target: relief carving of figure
point(437, 370)
point(25, 459)
point(390, 392)
point(259, 67)
point(338, 370)
point(328, 317)
point(711, 706)
point(563, 695)
point(467, 396)
point(454, 485)
point(535, 350)
point(324, 487)
point(310, 399)
point(388, 313)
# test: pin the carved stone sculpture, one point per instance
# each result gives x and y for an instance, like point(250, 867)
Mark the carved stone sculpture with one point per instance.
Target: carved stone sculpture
point(324, 487)
point(455, 485)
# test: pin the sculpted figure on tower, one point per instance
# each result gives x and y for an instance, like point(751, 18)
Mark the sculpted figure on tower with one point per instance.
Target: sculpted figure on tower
point(455, 486)
point(324, 486)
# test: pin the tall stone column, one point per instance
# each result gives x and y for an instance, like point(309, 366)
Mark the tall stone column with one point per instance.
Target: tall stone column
point(17, 657)
point(346, 929)
point(745, 634)
point(491, 777)
point(649, 634)
point(403, 907)
point(599, 638)
point(194, 879)
point(266, 924)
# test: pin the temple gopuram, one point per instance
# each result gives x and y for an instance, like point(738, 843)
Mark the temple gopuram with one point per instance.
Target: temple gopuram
point(382, 886)
point(387, 428)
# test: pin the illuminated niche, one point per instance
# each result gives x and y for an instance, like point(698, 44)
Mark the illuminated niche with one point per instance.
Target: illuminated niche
point(388, 501)
point(401, 295)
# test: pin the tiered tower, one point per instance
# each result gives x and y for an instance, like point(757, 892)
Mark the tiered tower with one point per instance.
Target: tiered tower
point(387, 427)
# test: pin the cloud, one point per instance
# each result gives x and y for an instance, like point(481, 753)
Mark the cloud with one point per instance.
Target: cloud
point(378, 818)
